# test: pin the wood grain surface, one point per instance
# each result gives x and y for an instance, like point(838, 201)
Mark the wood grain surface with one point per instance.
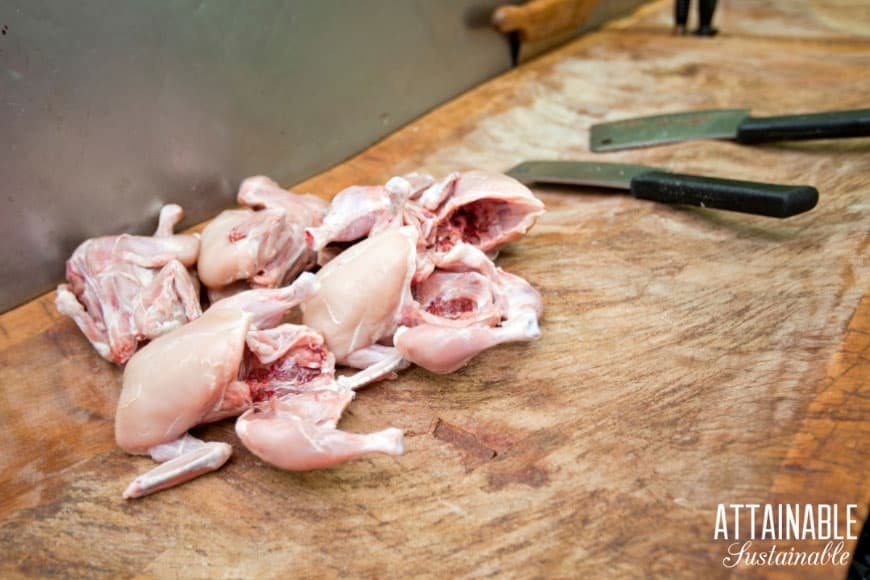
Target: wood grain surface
point(688, 358)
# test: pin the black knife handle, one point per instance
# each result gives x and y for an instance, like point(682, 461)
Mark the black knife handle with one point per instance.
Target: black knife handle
point(832, 125)
point(780, 201)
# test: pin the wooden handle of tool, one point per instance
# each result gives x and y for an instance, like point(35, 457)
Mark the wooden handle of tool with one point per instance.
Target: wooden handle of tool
point(541, 19)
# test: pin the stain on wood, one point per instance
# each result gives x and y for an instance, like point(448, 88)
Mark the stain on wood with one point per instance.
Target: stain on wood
point(474, 452)
point(689, 357)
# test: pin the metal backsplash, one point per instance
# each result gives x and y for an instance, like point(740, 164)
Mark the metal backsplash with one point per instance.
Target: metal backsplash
point(109, 109)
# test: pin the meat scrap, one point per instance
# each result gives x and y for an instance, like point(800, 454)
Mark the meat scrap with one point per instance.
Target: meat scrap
point(122, 290)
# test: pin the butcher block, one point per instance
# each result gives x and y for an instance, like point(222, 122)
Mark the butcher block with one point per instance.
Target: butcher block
point(689, 357)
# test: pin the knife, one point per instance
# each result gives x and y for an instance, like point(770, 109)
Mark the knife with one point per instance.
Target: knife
point(727, 124)
point(655, 184)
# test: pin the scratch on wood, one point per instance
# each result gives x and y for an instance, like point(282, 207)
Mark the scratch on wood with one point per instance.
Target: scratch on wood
point(453, 507)
point(531, 475)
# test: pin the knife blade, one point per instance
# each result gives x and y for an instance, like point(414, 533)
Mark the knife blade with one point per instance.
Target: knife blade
point(656, 184)
point(735, 124)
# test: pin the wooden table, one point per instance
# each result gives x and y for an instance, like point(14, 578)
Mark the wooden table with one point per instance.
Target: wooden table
point(688, 358)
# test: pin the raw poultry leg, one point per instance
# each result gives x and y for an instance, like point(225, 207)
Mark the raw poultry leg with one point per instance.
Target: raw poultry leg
point(144, 251)
point(270, 305)
point(68, 305)
point(360, 211)
point(181, 460)
point(443, 349)
point(381, 362)
point(353, 214)
point(299, 432)
point(263, 192)
point(367, 357)
point(170, 216)
point(120, 324)
point(418, 182)
point(435, 194)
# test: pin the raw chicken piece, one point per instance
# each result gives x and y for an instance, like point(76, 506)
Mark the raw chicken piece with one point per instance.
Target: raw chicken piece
point(361, 211)
point(433, 196)
point(299, 432)
point(363, 292)
point(264, 245)
point(235, 357)
point(484, 209)
point(465, 307)
point(353, 214)
point(487, 210)
point(125, 289)
point(419, 182)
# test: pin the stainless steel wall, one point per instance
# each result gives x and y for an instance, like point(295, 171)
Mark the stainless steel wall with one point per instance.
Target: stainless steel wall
point(110, 108)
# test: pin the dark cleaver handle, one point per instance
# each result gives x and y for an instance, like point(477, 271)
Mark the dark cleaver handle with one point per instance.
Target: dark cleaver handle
point(832, 125)
point(780, 201)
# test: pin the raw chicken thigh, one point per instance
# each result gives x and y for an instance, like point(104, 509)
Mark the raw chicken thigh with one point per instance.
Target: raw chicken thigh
point(238, 358)
point(262, 246)
point(125, 289)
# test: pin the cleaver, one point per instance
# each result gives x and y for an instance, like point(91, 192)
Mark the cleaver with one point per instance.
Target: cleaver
point(735, 124)
point(654, 184)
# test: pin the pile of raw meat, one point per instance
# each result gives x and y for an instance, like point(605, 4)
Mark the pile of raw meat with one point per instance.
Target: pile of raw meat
point(405, 276)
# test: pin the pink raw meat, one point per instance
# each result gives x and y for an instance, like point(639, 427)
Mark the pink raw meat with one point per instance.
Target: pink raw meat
point(239, 357)
point(125, 289)
point(464, 307)
point(263, 246)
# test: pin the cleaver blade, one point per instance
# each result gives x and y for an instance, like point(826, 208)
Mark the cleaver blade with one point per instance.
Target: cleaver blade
point(735, 124)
